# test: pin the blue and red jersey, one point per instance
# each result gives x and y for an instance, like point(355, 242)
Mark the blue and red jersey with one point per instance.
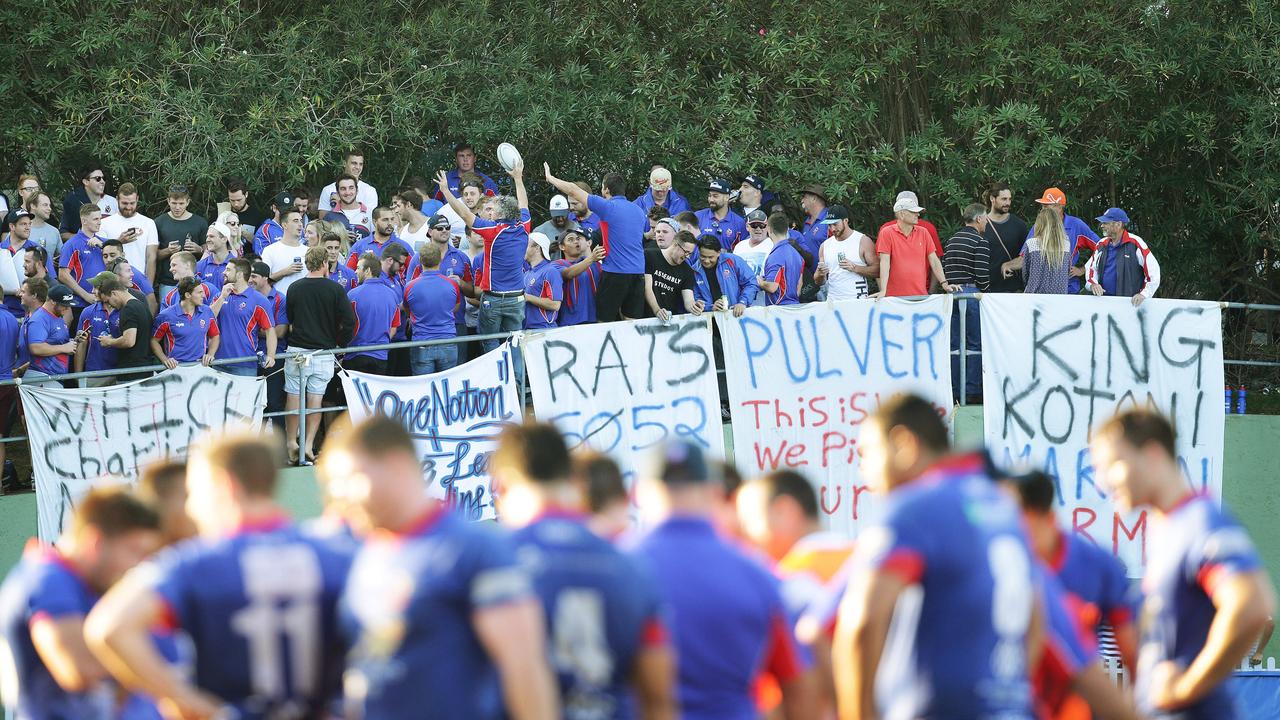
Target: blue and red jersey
point(505, 244)
point(543, 281)
point(432, 298)
point(97, 320)
point(344, 276)
point(579, 304)
point(242, 317)
point(727, 619)
point(1096, 582)
point(9, 332)
point(729, 230)
point(601, 609)
point(407, 613)
point(184, 337)
point(371, 244)
point(43, 326)
point(621, 232)
point(267, 233)
point(1192, 547)
point(737, 282)
point(376, 305)
point(957, 541)
point(260, 607)
point(452, 262)
point(1067, 648)
point(140, 282)
point(210, 271)
point(171, 298)
point(83, 261)
point(785, 267)
point(278, 315)
point(812, 234)
point(43, 586)
point(454, 178)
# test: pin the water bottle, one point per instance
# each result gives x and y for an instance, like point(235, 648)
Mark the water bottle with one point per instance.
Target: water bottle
point(1240, 401)
point(1230, 401)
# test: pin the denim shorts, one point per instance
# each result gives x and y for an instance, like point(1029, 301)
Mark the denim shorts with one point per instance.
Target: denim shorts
point(319, 370)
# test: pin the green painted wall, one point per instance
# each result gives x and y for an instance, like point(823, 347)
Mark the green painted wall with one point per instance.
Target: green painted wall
point(1251, 485)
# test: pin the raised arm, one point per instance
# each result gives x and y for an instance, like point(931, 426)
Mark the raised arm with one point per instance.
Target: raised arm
point(517, 174)
point(566, 188)
point(464, 212)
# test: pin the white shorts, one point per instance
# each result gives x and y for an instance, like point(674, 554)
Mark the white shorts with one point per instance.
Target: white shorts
point(319, 370)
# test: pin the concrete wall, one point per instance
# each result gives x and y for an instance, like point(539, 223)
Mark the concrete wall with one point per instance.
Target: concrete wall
point(1251, 485)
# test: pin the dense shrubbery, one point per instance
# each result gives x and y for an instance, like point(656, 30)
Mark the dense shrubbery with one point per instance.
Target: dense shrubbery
point(1169, 109)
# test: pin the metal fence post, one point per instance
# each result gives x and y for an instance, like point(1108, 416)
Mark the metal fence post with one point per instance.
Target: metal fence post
point(964, 351)
point(304, 368)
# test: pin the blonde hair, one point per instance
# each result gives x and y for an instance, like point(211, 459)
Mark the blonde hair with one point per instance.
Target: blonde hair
point(1052, 236)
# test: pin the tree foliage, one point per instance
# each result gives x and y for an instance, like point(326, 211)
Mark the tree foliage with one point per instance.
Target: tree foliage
point(1170, 109)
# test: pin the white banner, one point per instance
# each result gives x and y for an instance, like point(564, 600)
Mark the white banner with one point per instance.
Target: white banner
point(621, 388)
point(83, 438)
point(803, 378)
point(454, 417)
point(1055, 367)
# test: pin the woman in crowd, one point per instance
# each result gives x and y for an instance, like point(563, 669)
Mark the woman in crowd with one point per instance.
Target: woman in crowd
point(1047, 268)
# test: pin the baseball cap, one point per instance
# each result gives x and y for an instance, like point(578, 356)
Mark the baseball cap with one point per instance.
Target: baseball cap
point(660, 178)
point(757, 216)
point(261, 268)
point(814, 189)
point(680, 462)
point(543, 242)
point(61, 294)
point(671, 223)
point(754, 181)
point(1052, 196)
point(438, 220)
point(1114, 215)
point(907, 200)
point(283, 200)
point(835, 214)
point(559, 206)
point(719, 185)
point(16, 215)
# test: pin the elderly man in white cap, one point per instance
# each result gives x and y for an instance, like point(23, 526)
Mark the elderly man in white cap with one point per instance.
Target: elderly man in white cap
point(543, 285)
point(662, 193)
point(907, 254)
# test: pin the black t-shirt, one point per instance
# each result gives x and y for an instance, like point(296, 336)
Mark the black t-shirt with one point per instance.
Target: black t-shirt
point(135, 314)
point(713, 284)
point(250, 216)
point(172, 232)
point(320, 315)
point(1004, 242)
point(669, 281)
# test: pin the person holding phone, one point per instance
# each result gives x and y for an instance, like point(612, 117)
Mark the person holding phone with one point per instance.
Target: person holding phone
point(135, 231)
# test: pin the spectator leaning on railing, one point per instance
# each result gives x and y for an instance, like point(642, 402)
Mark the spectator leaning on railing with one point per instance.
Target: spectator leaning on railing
point(966, 265)
point(1122, 265)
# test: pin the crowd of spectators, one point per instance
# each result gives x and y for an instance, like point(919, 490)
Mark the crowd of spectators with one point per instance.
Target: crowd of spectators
point(458, 257)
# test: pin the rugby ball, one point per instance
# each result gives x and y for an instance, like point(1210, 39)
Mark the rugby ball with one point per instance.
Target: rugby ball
point(508, 156)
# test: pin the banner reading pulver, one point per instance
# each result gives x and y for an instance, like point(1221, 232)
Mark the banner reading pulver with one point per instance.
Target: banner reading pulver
point(802, 380)
point(81, 438)
point(1055, 367)
point(454, 417)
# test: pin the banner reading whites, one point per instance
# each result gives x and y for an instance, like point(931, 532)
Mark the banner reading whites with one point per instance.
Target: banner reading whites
point(802, 380)
point(454, 417)
point(83, 438)
point(1055, 367)
point(622, 388)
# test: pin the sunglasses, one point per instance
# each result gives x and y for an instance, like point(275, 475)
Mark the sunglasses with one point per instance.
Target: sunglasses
point(29, 188)
point(177, 189)
point(758, 226)
point(232, 224)
point(97, 178)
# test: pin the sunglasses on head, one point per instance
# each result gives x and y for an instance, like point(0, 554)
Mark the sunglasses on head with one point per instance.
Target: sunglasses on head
point(177, 189)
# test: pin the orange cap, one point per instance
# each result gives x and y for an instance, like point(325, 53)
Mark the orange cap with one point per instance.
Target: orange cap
point(1053, 196)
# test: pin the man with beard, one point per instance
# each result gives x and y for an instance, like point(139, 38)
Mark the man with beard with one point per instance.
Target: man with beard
point(348, 210)
point(135, 231)
point(353, 166)
point(243, 316)
point(384, 224)
point(1005, 235)
point(717, 219)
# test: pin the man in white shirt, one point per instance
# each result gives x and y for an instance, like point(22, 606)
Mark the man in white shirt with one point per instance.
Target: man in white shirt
point(349, 211)
point(413, 222)
point(756, 247)
point(352, 165)
point(285, 257)
point(846, 259)
point(135, 231)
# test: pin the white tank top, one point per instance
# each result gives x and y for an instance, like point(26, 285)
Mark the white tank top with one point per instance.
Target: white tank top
point(843, 284)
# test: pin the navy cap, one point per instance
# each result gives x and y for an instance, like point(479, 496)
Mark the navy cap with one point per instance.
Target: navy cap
point(1114, 215)
point(835, 214)
point(61, 294)
point(16, 215)
point(261, 268)
point(438, 220)
point(719, 185)
point(284, 200)
point(754, 181)
point(680, 462)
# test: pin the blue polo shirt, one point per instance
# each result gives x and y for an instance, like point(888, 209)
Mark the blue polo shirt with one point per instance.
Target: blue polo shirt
point(344, 276)
point(727, 619)
point(735, 277)
point(141, 283)
point(505, 244)
point(279, 316)
point(171, 298)
point(83, 261)
point(266, 234)
point(376, 305)
point(241, 318)
point(184, 337)
point(593, 222)
point(675, 204)
point(785, 267)
point(579, 304)
point(543, 281)
point(813, 234)
point(43, 326)
point(371, 244)
point(211, 271)
point(431, 298)
point(97, 320)
point(454, 177)
point(13, 303)
point(452, 262)
point(730, 230)
point(9, 330)
point(621, 232)
point(1096, 581)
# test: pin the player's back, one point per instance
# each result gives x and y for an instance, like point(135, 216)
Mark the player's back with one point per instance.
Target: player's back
point(260, 609)
point(1097, 581)
point(41, 585)
point(726, 615)
point(601, 610)
point(957, 646)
